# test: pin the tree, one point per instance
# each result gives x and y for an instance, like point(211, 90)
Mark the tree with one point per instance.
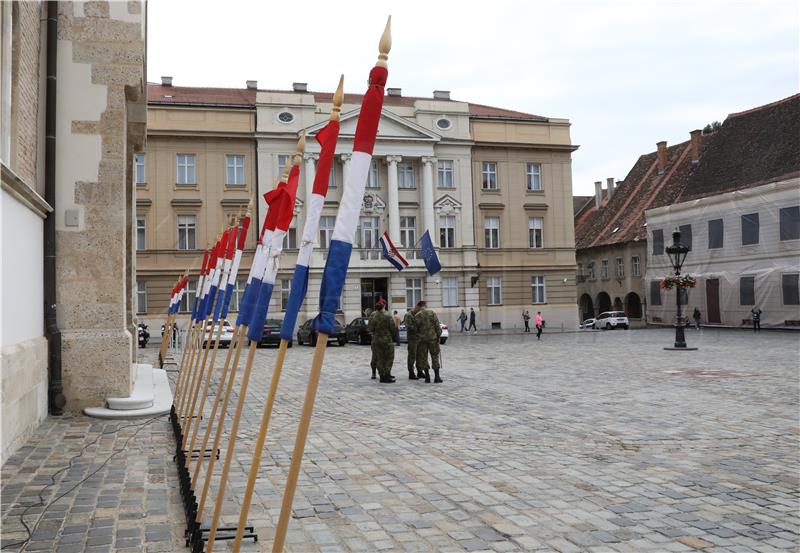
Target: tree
point(712, 127)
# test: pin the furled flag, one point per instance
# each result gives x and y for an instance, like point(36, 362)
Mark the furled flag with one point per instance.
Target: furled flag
point(391, 254)
point(221, 246)
point(200, 283)
point(226, 270)
point(181, 291)
point(256, 270)
point(350, 207)
point(237, 259)
point(429, 254)
point(327, 139)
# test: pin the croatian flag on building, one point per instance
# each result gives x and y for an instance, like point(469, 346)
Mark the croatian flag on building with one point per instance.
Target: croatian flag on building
point(391, 254)
point(241, 238)
point(327, 139)
point(346, 220)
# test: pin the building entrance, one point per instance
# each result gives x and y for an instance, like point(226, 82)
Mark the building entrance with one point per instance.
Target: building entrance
point(373, 289)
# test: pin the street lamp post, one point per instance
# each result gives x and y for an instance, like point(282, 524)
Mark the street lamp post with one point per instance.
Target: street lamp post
point(677, 255)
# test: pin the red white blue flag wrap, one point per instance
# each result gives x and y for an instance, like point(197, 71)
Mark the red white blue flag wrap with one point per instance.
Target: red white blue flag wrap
point(352, 197)
point(200, 284)
point(253, 285)
point(240, 239)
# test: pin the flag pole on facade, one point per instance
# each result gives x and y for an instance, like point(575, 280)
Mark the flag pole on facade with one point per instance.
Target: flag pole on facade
point(282, 202)
point(327, 138)
point(338, 259)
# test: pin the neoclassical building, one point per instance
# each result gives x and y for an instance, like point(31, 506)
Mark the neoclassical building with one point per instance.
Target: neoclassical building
point(492, 186)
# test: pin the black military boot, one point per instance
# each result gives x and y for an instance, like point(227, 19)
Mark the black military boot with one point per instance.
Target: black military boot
point(420, 374)
point(386, 379)
point(427, 376)
point(373, 373)
point(411, 375)
point(437, 379)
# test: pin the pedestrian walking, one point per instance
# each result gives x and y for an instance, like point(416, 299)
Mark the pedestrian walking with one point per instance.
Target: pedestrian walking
point(411, 337)
point(538, 321)
point(696, 317)
point(756, 314)
point(472, 317)
point(428, 331)
point(526, 318)
point(397, 321)
point(381, 326)
point(463, 320)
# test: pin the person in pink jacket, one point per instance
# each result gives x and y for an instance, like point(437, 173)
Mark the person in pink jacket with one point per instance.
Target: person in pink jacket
point(539, 322)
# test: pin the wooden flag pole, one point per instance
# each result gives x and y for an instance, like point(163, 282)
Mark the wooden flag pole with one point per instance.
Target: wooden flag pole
point(208, 376)
point(204, 337)
point(384, 46)
point(186, 362)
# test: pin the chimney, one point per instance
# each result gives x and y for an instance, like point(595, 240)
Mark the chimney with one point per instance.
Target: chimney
point(300, 87)
point(394, 91)
point(166, 81)
point(610, 188)
point(441, 94)
point(252, 85)
point(696, 144)
point(598, 194)
point(662, 156)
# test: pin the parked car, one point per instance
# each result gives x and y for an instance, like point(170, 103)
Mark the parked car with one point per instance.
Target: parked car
point(307, 335)
point(224, 339)
point(611, 319)
point(358, 331)
point(272, 334)
point(588, 323)
point(442, 339)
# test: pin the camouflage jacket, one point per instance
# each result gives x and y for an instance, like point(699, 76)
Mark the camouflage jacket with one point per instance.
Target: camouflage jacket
point(428, 327)
point(411, 325)
point(381, 326)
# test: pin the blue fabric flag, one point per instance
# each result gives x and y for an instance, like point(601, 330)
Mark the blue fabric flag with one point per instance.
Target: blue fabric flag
point(429, 254)
point(296, 296)
point(332, 285)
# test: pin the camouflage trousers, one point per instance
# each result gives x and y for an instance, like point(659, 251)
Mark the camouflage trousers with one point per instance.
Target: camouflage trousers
point(425, 348)
point(382, 357)
point(412, 353)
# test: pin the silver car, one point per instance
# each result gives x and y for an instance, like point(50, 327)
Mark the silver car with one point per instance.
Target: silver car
point(610, 320)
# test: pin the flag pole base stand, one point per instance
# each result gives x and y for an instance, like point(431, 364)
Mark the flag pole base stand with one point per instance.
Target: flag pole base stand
point(199, 538)
point(204, 453)
point(680, 349)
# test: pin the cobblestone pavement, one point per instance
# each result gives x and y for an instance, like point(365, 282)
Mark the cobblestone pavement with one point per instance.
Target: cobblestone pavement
point(593, 441)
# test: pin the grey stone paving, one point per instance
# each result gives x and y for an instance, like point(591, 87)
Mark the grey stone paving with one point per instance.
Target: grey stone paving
point(595, 441)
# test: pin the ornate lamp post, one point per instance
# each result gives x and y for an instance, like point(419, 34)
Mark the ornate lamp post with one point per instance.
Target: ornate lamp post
point(677, 255)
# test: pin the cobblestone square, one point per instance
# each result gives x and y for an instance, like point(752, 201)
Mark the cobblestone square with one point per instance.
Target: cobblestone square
point(591, 441)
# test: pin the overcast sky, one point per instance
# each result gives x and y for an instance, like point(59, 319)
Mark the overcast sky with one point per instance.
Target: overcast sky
point(626, 74)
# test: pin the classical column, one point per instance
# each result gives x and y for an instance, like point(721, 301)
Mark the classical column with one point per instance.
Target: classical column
point(345, 167)
point(394, 201)
point(427, 198)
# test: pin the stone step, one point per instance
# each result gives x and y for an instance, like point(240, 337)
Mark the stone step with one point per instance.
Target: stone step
point(142, 396)
point(161, 403)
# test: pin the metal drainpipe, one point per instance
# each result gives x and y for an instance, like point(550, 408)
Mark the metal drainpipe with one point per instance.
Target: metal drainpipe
point(55, 387)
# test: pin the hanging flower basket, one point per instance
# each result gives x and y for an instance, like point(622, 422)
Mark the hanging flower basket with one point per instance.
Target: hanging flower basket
point(685, 281)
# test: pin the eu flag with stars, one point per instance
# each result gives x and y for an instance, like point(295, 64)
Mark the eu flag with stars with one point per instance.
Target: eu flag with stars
point(429, 254)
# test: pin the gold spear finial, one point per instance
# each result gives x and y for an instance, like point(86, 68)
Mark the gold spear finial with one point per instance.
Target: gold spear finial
point(338, 99)
point(385, 44)
point(301, 147)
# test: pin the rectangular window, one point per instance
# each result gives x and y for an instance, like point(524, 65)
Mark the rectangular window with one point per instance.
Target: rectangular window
point(141, 233)
point(790, 223)
point(537, 290)
point(405, 175)
point(686, 235)
point(449, 291)
point(636, 266)
point(494, 288)
point(290, 240)
point(187, 301)
point(791, 288)
point(445, 167)
point(187, 230)
point(533, 175)
point(140, 177)
point(413, 292)
point(747, 290)
point(186, 169)
point(283, 160)
point(536, 232)
point(591, 275)
point(620, 268)
point(367, 236)
point(604, 269)
point(715, 234)
point(286, 288)
point(238, 292)
point(658, 242)
point(141, 297)
point(489, 175)
point(372, 178)
point(326, 224)
point(447, 231)
point(234, 165)
point(655, 292)
point(491, 232)
point(750, 228)
point(332, 176)
point(408, 232)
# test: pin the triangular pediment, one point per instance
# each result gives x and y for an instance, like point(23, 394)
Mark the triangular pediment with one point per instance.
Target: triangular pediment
point(390, 127)
point(447, 204)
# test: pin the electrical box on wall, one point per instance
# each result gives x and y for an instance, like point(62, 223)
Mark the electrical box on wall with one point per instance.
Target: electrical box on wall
point(72, 218)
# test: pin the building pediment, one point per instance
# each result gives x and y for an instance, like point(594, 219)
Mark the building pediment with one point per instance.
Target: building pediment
point(372, 203)
point(447, 204)
point(390, 127)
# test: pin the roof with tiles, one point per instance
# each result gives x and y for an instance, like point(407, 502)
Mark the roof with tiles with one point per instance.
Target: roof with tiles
point(750, 149)
point(186, 95)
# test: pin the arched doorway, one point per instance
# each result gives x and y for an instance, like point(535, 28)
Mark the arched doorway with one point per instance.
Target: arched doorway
point(586, 307)
point(617, 304)
point(603, 302)
point(633, 306)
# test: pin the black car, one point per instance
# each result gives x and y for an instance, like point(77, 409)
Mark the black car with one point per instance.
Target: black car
point(272, 334)
point(307, 335)
point(358, 331)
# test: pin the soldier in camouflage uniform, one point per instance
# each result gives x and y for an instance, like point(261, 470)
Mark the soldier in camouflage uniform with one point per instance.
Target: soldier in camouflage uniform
point(411, 333)
point(428, 332)
point(382, 328)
